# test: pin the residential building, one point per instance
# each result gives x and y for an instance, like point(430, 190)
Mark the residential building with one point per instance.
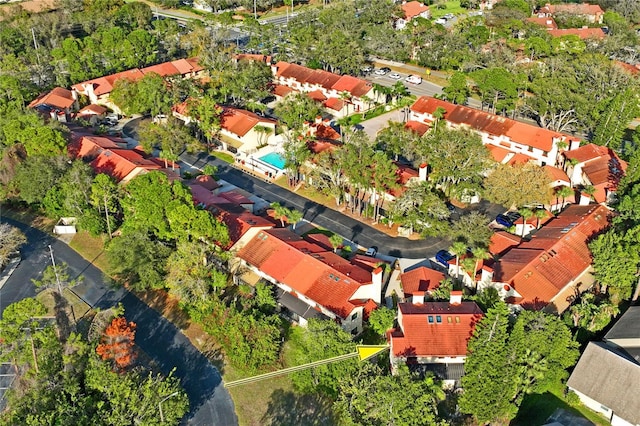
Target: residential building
point(597, 166)
point(592, 13)
point(57, 103)
point(625, 333)
point(418, 283)
point(544, 21)
point(88, 147)
point(606, 380)
point(433, 336)
point(584, 33)
point(241, 131)
point(540, 145)
point(411, 10)
point(99, 89)
point(554, 265)
point(340, 95)
point(326, 283)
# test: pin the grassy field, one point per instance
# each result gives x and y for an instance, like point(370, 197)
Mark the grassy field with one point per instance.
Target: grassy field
point(91, 248)
point(536, 409)
point(228, 158)
point(451, 6)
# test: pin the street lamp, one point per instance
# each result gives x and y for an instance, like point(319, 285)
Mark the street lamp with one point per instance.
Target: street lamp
point(160, 405)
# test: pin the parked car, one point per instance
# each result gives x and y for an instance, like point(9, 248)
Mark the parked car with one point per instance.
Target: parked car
point(367, 69)
point(371, 251)
point(395, 76)
point(382, 71)
point(451, 208)
point(414, 79)
point(448, 16)
point(504, 220)
point(444, 257)
point(513, 216)
point(440, 21)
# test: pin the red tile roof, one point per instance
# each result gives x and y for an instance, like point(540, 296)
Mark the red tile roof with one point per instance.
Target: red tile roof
point(58, 98)
point(601, 165)
point(418, 127)
point(498, 153)
point(317, 96)
point(236, 197)
point(205, 197)
point(88, 147)
point(165, 69)
point(119, 163)
point(240, 121)
point(583, 33)
point(492, 124)
point(502, 241)
point(420, 280)
point(555, 174)
point(586, 152)
point(556, 254)
point(412, 9)
point(544, 21)
point(417, 337)
point(335, 104)
point(632, 69)
point(206, 182)
point(355, 86)
point(574, 9)
point(93, 109)
point(306, 268)
point(104, 85)
point(187, 66)
point(282, 91)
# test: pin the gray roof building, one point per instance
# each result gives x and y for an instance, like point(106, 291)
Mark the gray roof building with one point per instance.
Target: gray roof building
point(607, 380)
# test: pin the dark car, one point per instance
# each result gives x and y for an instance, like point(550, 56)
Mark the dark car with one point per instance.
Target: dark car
point(504, 220)
point(451, 208)
point(444, 257)
point(513, 216)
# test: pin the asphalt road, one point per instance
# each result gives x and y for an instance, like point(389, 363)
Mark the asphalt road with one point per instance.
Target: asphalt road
point(210, 402)
point(327, 218)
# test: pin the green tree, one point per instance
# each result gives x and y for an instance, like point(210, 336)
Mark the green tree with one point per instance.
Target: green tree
point(371, 397)
point(382, 319)
point(37, 136)
point(458, 249)
point(473, 230)
point(518, 185)
point(138, 260)
point(105, 196)
point(458, 160)
point(421, 208)
point(488, 373)
point(617, 115)
point(320, 340)
point(36, 176)
point(11, 239)
point(616, 261)
point(149, 95)
point(457, 91)
point(296, 109)
point(498, 88)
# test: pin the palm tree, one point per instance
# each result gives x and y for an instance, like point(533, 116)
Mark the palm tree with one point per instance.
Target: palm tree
point(540, 214)
point(479, 254)
point(280, 211)
point(336, 241)
point(294, 216)
point(438, 115)
point(589, 190)
point(458, 249)
point(526, 215)
point(263, 134)
point(563, 192)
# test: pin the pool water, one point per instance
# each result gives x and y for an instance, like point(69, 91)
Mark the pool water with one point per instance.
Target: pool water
point(274, 159)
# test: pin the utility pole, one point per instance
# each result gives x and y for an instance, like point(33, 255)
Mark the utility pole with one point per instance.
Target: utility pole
point(55, 270)
point(160, 405)
point(255, 9)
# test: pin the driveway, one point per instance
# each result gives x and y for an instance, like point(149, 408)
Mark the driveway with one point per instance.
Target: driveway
point(210, 402)
point(373, 126)
point(325, 217)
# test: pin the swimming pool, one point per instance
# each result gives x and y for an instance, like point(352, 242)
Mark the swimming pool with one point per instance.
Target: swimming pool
point(274, 159)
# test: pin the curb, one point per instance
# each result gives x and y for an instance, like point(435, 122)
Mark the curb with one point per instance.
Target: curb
point(6, 274)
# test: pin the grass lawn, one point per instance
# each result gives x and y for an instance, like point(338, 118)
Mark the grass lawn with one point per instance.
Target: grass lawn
point(452, 6)
point(228, 158)
point(91, 248)
point(536, 409)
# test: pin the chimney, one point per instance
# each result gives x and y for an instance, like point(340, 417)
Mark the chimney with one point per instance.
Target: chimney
point(318, 119)
point(455, 298)
point(549, 21)
point(422, 172)
point(376, 279)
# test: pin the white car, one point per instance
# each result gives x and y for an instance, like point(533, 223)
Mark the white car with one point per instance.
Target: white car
point(395, 76)
point(440, 21)
point(382, 71)
point(414, 79)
